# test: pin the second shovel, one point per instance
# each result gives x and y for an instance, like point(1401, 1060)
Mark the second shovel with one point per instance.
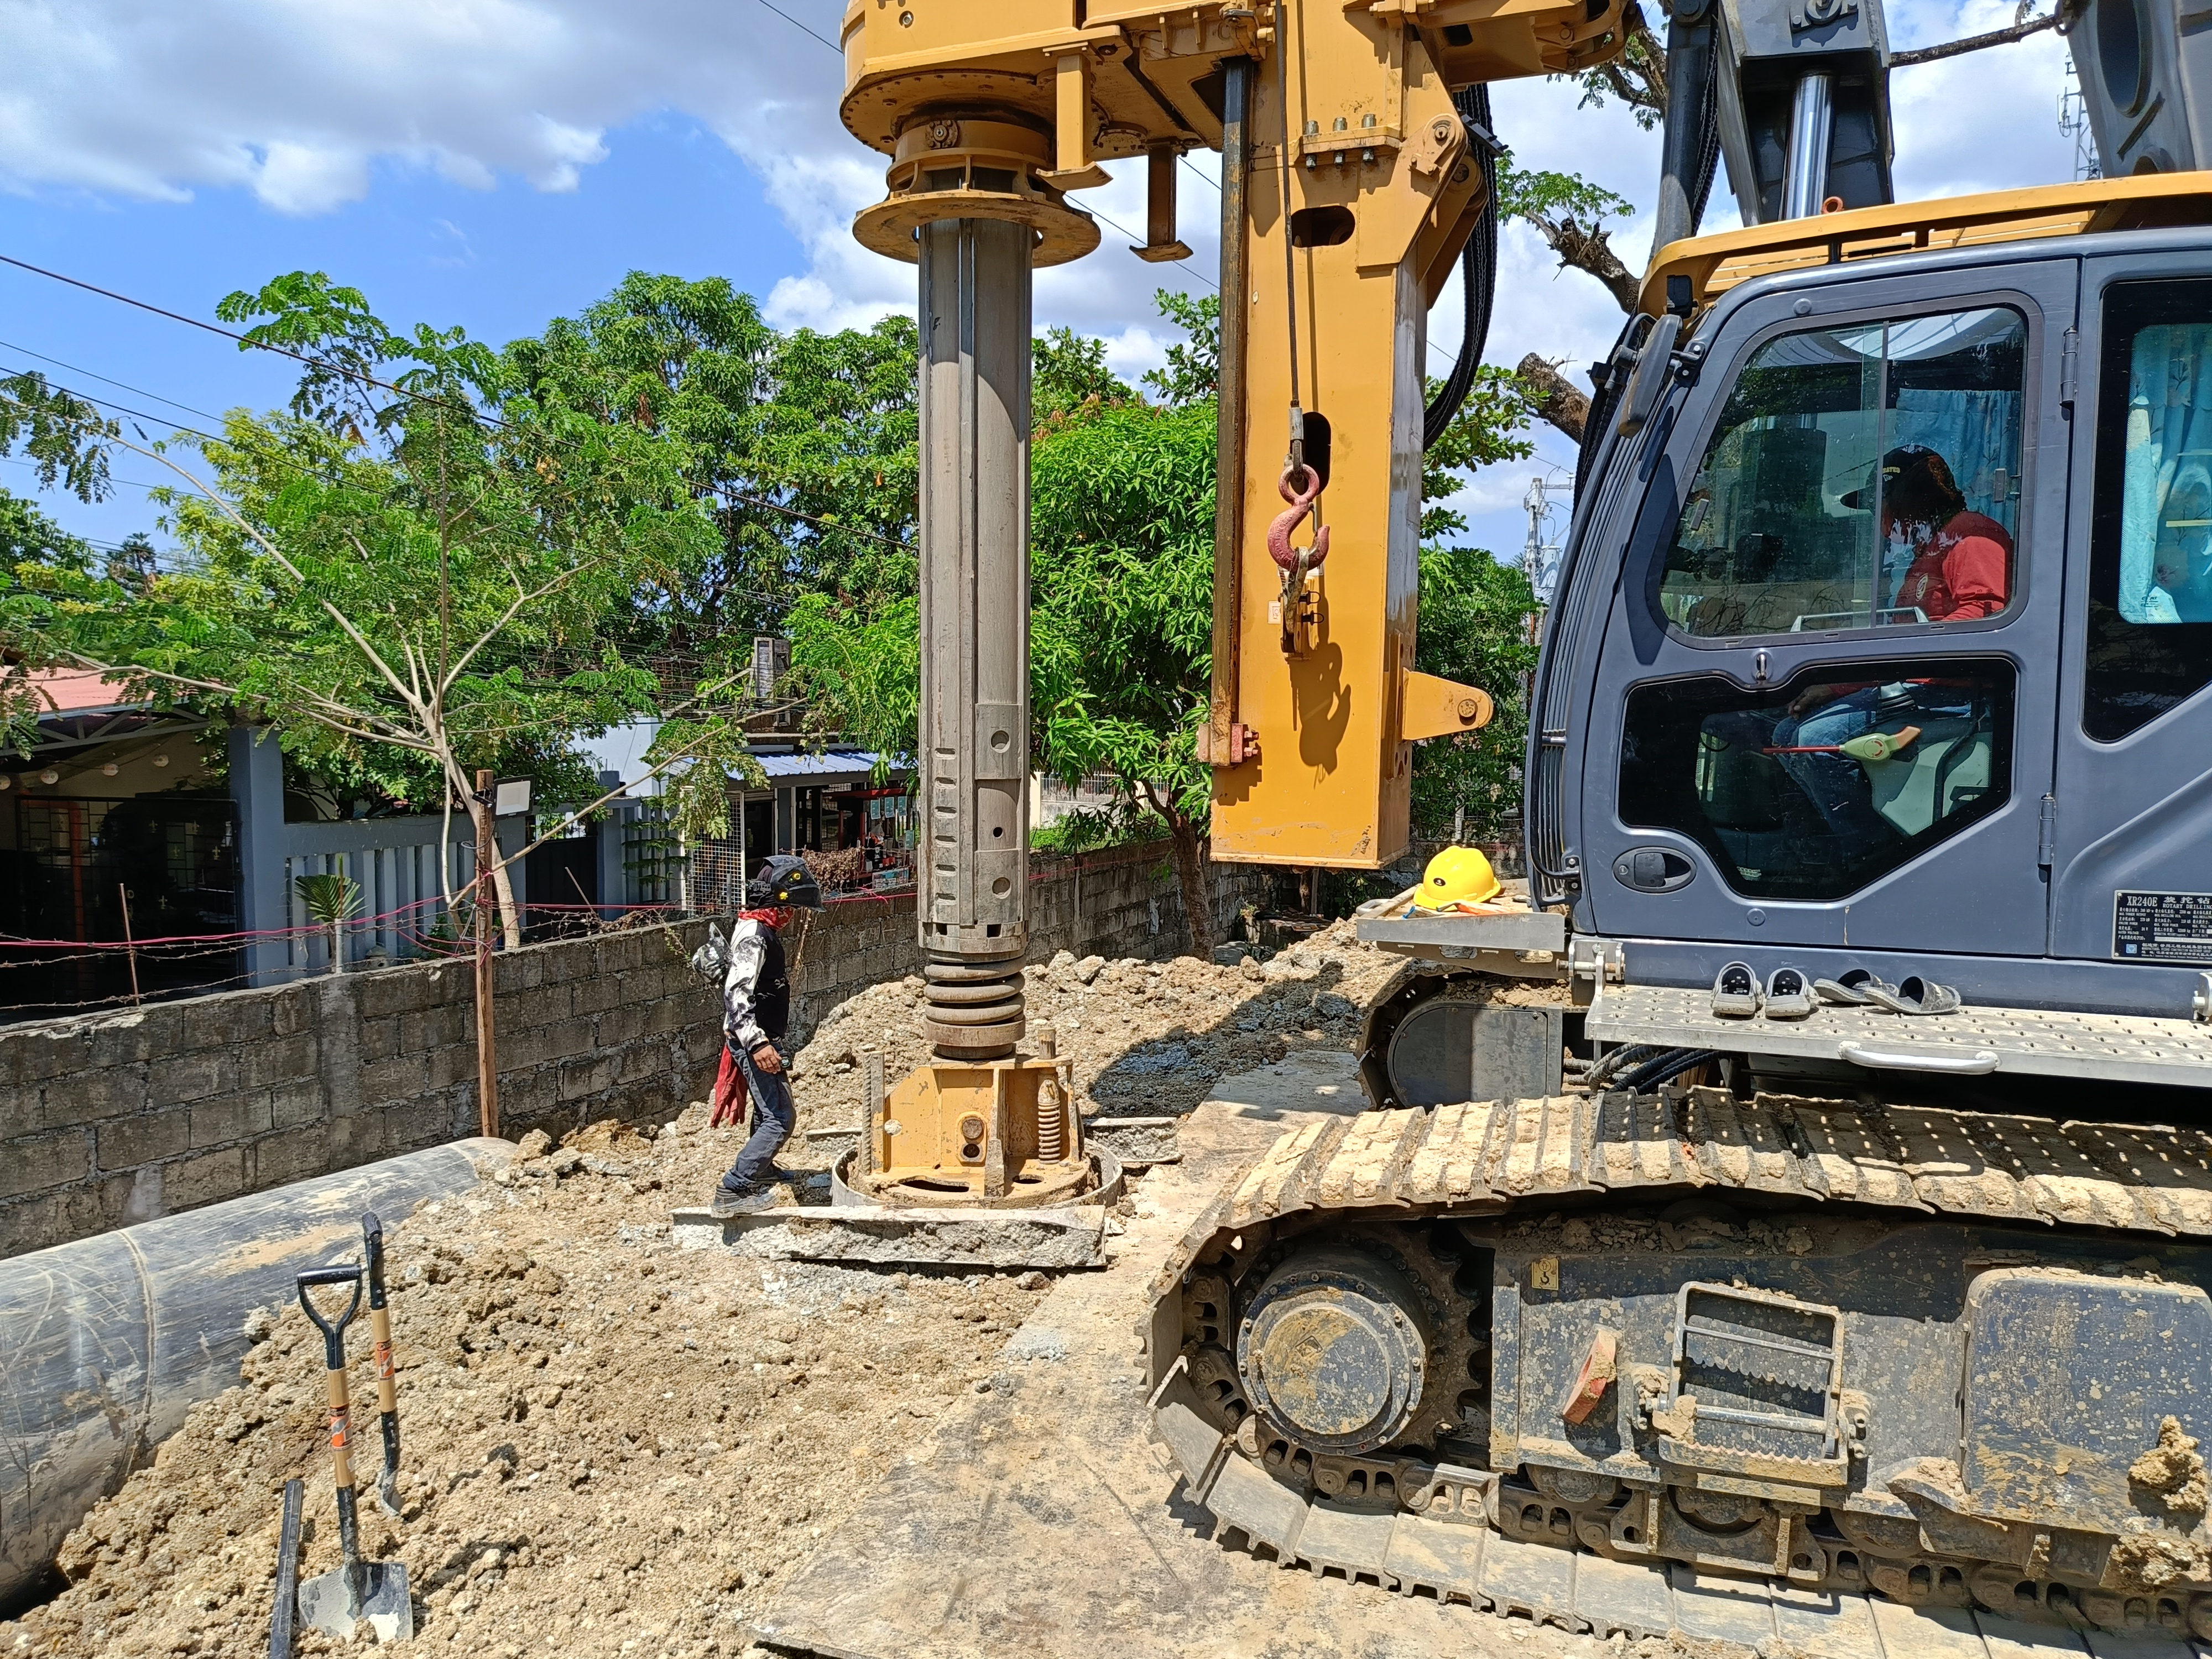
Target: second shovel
point(387, 1389)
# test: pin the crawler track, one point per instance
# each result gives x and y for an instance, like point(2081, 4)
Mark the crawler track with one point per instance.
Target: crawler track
point(1652, 1248)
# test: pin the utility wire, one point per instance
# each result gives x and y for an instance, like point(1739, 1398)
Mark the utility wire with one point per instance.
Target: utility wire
point(354, 375)
point(803, 28)
point(258, 345)
point(121, 385)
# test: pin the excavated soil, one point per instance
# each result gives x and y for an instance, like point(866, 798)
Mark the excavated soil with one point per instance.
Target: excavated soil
point(1146, 1038)
point(611, 1448)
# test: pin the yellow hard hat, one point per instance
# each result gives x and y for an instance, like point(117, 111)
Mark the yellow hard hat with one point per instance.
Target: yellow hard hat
point(1458, 875)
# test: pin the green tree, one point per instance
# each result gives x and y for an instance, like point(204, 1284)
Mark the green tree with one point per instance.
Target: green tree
point(1477, 618)
point(800, 447)
point(1122, 617)
point(403, 578)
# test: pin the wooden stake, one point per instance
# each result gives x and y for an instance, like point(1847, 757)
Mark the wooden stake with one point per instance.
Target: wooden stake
point(487, 1041)
point(129, 945)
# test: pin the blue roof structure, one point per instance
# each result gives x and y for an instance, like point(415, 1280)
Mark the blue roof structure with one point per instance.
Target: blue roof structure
point(839, 763)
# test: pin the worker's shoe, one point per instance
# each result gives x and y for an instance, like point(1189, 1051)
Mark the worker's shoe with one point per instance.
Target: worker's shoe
point(1789, 996)
point(1736, 992)
point(1915, 995)
point(742, 1201)
point(1852, 988)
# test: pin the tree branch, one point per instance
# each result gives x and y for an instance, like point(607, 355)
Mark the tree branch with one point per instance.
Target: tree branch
point(1591, 252)
point(2003, 37)
point(1553, 396)
point(521, 600)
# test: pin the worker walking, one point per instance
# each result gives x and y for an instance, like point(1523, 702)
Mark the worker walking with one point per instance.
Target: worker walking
point(756, 1018)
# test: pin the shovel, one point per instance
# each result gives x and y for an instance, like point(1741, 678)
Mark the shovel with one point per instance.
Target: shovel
point(371, 1591)
point(388, 1392)
point(287, 1572)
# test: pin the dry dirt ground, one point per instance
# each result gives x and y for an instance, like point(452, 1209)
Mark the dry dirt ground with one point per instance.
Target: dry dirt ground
point(610, 1448)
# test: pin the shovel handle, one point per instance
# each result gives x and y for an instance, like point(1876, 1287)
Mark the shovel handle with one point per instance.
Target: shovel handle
point(341, 1426)
point(379, 1329)
point(333, 1330)
point(372, 1239)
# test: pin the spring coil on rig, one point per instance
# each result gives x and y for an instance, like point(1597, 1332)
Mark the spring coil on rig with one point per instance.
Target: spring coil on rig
point(1051, 1124)
point(973, 1008)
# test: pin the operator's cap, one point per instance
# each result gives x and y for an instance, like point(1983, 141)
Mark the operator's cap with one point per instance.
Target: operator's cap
point(785, 879)
point(1905, 457)
point(1458, 875)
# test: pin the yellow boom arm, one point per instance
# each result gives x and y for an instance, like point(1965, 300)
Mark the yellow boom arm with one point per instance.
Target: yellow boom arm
point(1348, 191)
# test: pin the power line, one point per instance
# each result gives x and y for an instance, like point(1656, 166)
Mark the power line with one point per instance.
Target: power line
point(105, 381)
point(803, 28)
point(194, 432)
point(258, 345)
point(133, 482)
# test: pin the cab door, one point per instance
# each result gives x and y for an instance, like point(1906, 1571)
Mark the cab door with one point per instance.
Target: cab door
point(1825, 699)
point(2132, 825)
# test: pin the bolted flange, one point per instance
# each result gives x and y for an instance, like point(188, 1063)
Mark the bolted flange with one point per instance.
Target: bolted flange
point(1334, 1350)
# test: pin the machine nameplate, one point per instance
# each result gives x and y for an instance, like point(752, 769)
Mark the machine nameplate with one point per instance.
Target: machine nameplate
point(2162, 927)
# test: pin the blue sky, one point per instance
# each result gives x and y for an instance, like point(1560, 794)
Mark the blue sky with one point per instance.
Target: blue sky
point(493, 163)
point(670, 196)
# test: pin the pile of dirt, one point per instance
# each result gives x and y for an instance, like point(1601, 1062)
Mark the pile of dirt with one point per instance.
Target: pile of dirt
point(610, 1447)
point(1146, 1038)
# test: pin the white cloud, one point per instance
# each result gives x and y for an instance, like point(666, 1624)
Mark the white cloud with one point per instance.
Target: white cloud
point(300, 101)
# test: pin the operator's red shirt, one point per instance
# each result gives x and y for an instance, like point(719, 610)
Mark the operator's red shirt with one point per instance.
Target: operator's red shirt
point(1965, 571)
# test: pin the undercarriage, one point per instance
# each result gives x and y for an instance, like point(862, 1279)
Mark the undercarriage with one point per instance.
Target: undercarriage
point(1956, 1358)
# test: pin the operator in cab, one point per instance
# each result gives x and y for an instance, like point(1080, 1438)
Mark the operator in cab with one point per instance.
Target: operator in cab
point(1960, 570)
point(1961, 566)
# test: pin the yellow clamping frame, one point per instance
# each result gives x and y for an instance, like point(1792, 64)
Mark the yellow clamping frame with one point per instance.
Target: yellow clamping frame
point(1001, 1133)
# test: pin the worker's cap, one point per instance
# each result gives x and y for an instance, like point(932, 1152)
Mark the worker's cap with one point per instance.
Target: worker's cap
point(1905, 459)
point(785, 879)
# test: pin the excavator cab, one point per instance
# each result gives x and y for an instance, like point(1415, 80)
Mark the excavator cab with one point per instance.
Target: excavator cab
point(1881, 639)
point(1773, 597)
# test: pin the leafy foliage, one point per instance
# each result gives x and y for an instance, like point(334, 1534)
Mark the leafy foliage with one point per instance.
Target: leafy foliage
point(1476, 617)
point(1492, 426)
point(1069, 378)
point(1544, 195)
point(1193, 371)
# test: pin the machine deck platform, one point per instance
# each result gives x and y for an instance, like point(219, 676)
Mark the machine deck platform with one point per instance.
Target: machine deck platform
point(1043, 1517)
point(1973, 1041)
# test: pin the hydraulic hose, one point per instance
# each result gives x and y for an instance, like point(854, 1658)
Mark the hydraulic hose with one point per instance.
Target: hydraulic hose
point(1667, 1067)
point(1478, 268)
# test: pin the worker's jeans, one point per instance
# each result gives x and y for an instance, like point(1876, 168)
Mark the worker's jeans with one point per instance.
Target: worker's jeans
point(772, 1122)
point(1835, 783)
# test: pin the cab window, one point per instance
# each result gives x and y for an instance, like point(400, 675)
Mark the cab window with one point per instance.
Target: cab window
point(2150, 559)
point(1813, 790)
point(1862, 476)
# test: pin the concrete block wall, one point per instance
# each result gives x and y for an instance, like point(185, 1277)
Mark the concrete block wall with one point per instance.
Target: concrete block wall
point(118, 1118)
point(106, 1120)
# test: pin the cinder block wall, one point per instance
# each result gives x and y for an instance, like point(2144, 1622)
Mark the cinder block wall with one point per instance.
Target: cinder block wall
point(106, 1120)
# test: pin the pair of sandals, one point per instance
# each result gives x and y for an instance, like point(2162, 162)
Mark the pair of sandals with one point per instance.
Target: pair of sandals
point(1789, 994)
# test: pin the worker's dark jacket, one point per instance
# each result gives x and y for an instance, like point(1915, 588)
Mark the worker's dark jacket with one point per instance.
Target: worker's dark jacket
point(755, 987)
